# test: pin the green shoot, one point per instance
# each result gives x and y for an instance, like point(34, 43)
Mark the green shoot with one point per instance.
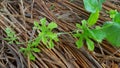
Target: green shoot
point(11, 37)
point(46, 35)
point(28, 51)
point(86, 34)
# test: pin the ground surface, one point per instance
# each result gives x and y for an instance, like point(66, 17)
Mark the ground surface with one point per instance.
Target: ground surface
point(20, 15)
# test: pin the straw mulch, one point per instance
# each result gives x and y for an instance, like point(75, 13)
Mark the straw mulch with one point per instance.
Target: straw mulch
point(20, 16)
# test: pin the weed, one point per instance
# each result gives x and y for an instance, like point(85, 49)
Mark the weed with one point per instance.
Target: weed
point(11, 37)
point(45, 35)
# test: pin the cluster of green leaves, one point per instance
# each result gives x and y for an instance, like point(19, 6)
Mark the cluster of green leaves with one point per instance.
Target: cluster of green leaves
point(112, 28)
point(85, 33)
point(11, 36)
point(109, 31)
point(29, 49)
point(45, 35)
point(93, 6)
point(45, 32)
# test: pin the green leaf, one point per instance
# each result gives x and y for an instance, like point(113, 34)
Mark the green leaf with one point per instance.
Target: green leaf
point(36, 41)
point(91, 5)
point(77, 35)
point(31, 56)
point(78, 26)
point(35, 49)
point(99, 35)
point(112, 13)
point(112, 33)
point(79, 42)
point(43, 21)
point(51, 44)
point(44, 29)
point(52, 25)
point(90, 44)
point(36, 25)
point(100, 4)
point(11, 37)
point(117, 18)
point(44, 40)
point(22, 49)
point(93, 18)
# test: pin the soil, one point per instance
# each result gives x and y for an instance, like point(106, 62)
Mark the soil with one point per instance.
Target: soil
point(20, 16)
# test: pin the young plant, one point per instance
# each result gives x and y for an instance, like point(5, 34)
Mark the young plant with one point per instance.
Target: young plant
point(93, 6)
point(112, 28)
point(11, 36)
point(46, 35)
point(30, 48)
point(88, 35)
point(84, 35)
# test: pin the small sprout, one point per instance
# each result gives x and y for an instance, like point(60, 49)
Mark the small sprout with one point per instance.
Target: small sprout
point(11, 37)
point(46, 35)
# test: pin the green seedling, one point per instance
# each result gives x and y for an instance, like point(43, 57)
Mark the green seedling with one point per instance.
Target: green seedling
point(46, 35)
point(11, 37)
point(87, 34)
point(93, 6)
point(30, 48)
point(84, 35)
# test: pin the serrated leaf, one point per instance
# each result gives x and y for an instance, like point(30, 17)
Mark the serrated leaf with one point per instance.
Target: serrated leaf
point(35, 49)
point(52, 25)
point(43, 21)
point(112, 33)
point(90, 44)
